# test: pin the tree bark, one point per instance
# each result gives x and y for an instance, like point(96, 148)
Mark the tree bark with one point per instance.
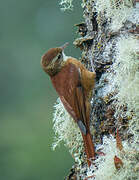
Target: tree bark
point(109, 44)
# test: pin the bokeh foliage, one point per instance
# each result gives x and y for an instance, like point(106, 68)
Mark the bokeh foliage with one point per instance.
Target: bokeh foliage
point(28, 29)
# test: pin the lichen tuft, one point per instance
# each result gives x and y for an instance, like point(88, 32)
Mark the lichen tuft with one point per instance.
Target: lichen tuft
point(126, 80)
point(116, 11)
point(123, 78)
point(105, 164)
point(126, 72)
point(66, 5)
point(67, 131)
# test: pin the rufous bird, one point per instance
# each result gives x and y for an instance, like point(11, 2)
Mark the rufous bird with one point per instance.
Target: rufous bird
point(74, 85)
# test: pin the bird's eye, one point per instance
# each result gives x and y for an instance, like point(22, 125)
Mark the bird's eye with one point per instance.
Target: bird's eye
point(59, 56)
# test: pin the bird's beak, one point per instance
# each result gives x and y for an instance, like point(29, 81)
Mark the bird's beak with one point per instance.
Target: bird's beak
point(64, 46)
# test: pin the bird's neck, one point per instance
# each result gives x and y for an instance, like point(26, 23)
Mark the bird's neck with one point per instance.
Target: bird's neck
point(65, 58)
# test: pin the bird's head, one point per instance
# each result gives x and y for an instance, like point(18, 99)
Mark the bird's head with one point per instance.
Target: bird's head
point(53, 59)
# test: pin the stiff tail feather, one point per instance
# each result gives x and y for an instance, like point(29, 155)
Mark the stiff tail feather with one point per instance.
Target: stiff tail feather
point(89, 147)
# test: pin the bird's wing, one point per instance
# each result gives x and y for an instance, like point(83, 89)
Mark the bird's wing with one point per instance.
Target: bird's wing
point(68, 85)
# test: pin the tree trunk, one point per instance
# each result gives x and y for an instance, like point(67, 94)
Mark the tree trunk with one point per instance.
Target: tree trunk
point(110, 45)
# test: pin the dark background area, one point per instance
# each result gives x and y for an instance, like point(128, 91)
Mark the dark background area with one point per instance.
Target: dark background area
point(27, 29)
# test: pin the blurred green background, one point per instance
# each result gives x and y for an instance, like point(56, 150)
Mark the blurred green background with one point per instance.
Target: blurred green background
point(27, 29)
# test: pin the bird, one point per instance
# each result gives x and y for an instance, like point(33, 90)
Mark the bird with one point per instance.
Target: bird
point(74, 84)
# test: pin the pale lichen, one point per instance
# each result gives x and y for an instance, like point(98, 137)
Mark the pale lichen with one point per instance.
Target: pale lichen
point(67, 131)
point(134, 16)
point(126, 72)
point(123, 82)
point(116, 11)
point(66, 5)
point(123, 78)
point(126, 80)
point(105, 164)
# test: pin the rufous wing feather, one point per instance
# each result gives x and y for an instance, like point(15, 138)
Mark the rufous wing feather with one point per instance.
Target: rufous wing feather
point(71, 93)
point(68, 80)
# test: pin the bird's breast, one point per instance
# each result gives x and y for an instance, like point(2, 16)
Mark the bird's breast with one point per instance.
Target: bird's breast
point(66, 80)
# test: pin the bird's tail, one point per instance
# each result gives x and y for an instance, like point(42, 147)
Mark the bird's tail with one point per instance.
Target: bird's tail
point(89, 147)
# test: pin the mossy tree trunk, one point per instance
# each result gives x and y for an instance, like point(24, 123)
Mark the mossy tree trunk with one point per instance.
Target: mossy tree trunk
point(109, 45)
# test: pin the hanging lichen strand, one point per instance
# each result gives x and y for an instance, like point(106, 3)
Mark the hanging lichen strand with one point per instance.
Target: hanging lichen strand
point(109, 40)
